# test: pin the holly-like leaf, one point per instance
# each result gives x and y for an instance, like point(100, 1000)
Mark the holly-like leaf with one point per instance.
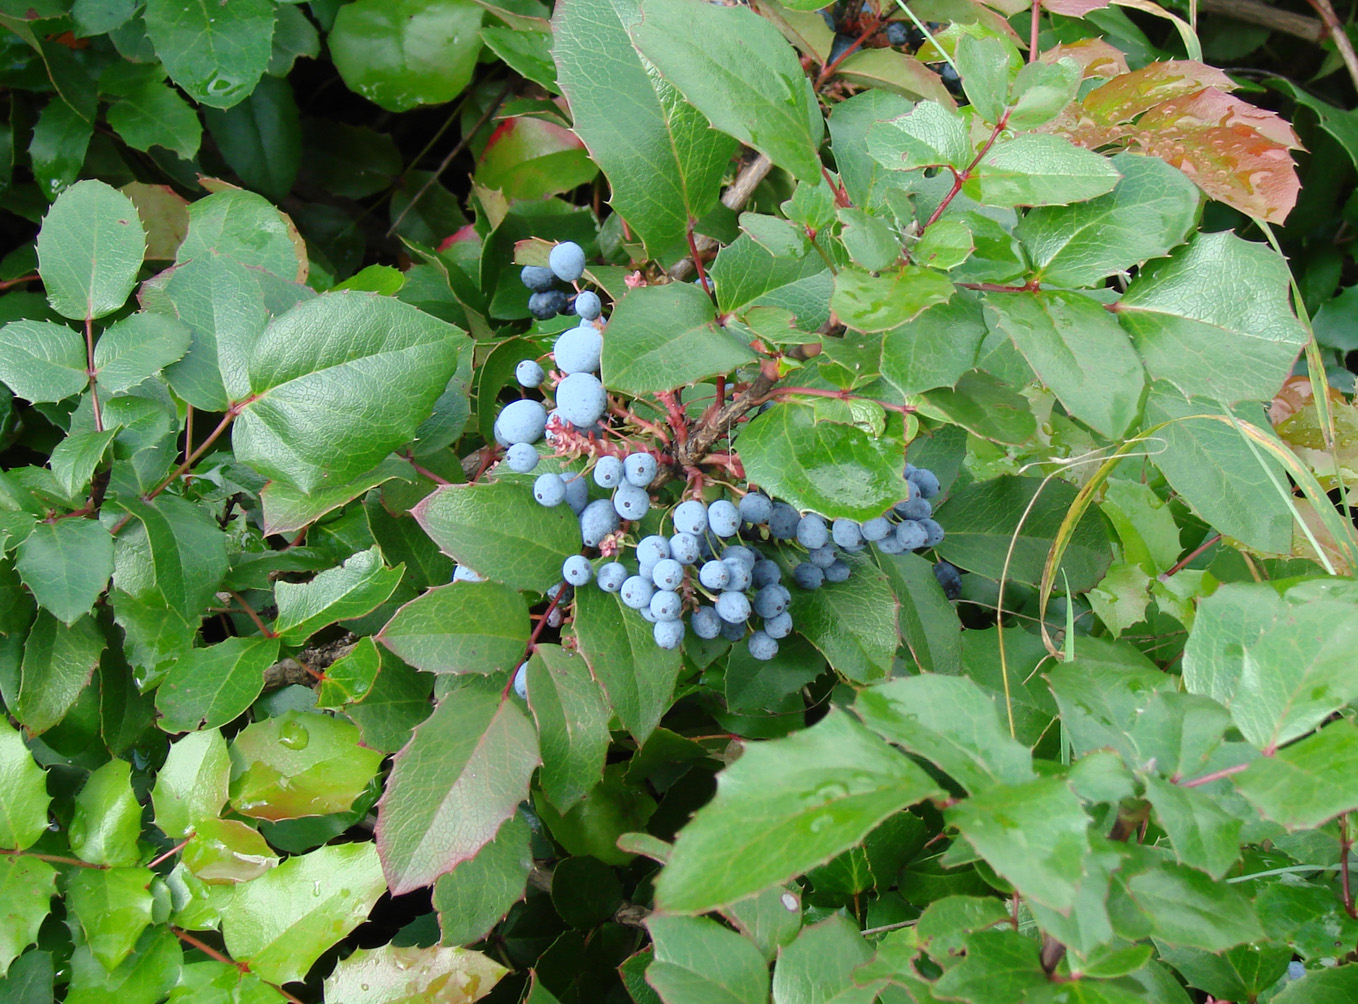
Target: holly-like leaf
point(107, 819)
point(950, 722)
point(817, 967)
point(438, 975)
point(1000, 963)
point(151, 113)
point(136, 347)
point(1307, 783)
point(784, 807)
point(58, 661)
point(478, 892)
point(1203, 834)
point(112, 906)
point(299, 764)
point(90, 248)
point(1034, 169)
point(227, 851)
point(500, 532)
point(1186, 907)
point(66, 564)
point(324, 409)
point(192, 785)
point(854, 624)
point(572, 721)
point(350, 677)
point(462, 774)
point(739, 72)
point(879, 303)
point(187, 553)
point(23, 792)
point(1181, 323)
point(210, 686)
point(928, 135)
point(355, 588)
point(216, 55)
point(42, 361)
point(281, 922)
point(465, 627)
point(75, 458)
point(697, 959)
point(249, 230)
point(26, 889)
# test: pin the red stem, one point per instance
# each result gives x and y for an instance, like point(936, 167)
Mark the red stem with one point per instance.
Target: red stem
point(265, 631)
point(1345, 845)
point(212, 953)
point(1033, 30)
point(1186, 559)
point(840, 395)
point(171, 852)
point(533, 638)
point(829, 69)
point(962, 177)
point(1216, 775)
point(91, 373)
point(55, 859)
point(15, 282)
point(425, 472)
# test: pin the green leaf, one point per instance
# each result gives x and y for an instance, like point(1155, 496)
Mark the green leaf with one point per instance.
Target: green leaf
point(152, 113)
point(926, 620)
point(1186, 907)
point(58, 662)
point(784, 807)
point(463, 773)
point(245, 228)
point(697, 961)
point(219, 300)
point(854, 624)
point(1077, 349)
point(662, 337)
point(74, 459)
point(42, 361)
point(188, 553)
point(107, 819)
point(217, 54)
point(1035, 834)
point(61, 138)
point(836, 470)
point(637, 676)
point(350, 677)
point(1280, 664)
point(281, 922)
point(1102, 694)
point(113, 906)
point(530, 158)
point(1203, 834)
point(211, 686)
point(1036, 169)
point(982, 520)
point(478, 892)
point(572, 721)
point(287, 510)
point(1307, 783)
point(90, 248)
point(397, 702)
point(879, 303)
point(951, 722)
point(465, 627)
point(1152, 210)
point(935, 348)
point(299, 764)
point(499, 531)
point(400, 54)
point(817, 968)
point(1322, 986)
point(31, 978)
point(1041, 90)
point(324, 410)
point(356, 587)
point(192, 785)
point(66, 564)
point(945, 245)
point(748, 276)
point(737, 70)
point(145, 977)
point(23, 792)
point(771, 919)
point(1214, 319)
point(865, 180)
point(26, 889)
point(391, 974)
point(1211, 466)
point(984, 405)
point(754, 685)
point(1004, 965)
point(928, 135)
point(227, 851)
point(261, 138)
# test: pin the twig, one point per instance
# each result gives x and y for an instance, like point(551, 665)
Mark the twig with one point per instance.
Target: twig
point(1034, 30)
point(1345, 845)
point(171, 852)
point(55, 859)
point(222, 957)
point(1216, 775)
point(91, 373)
point(1186, 559)
point(263, 629)
point(491, 109)
point(1260, 13)
point(1335, 28)
point(747, 180)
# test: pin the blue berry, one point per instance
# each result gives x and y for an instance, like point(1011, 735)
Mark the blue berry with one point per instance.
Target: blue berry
point(520, 422)
point(732, 631)
point(949, 578)
point(778, 627)
point(521, 681)
point(667, 605)
point(762, 647)
point(812, 532)
point(741, 553)
point(876, 528)
point(668, 634)
point(911, 536)
point(838, 572)
point(636, 592)
point(578, 350)
point(765, 573)
point(770, 601)
point(521, 458)
point(668, 574)
point(529, 373)
point(639, 469)
point(705, 623)
point(555, 590)
point(587, 305)
point(823, 557)
point(581, 399)
point(897, 33)
point(915, 508)
point(846, 533)
point(549, 489)
point(925, 481)
point(890, 544)
point(597, 521)
point(464, 574)
point(537, 278)
point(577, 570)
point(739, 577)
point(545, 306)
point(651, 549)
point(784, 521)
point(611, 576)
point(807, 575)
point(933, 532)
point(577, 492)
point(723, 518)
point(690, 517)
point(567, 260)
point(714, 575)
point(647, 616)
point(756, 508)
point(631, 502)
point(608, 472)
point(733, 608)
point(685, 548)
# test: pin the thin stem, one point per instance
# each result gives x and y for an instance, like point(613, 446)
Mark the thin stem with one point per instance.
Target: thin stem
point(212, 953)
point(697, 261)
point(202, 448)
point(263, 629)
point(533, 638)
point(1345, 845)
point(1186, 559)
point(8, 283)
point(960, 178)
point(172, 851)
point(188, 430)
point(91, 373)
point(1033, 30)
point(424, 471)
point(1216, 775)
point(841, 395)
point(55, 859)
point(828, 70)
point(1335, 29)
